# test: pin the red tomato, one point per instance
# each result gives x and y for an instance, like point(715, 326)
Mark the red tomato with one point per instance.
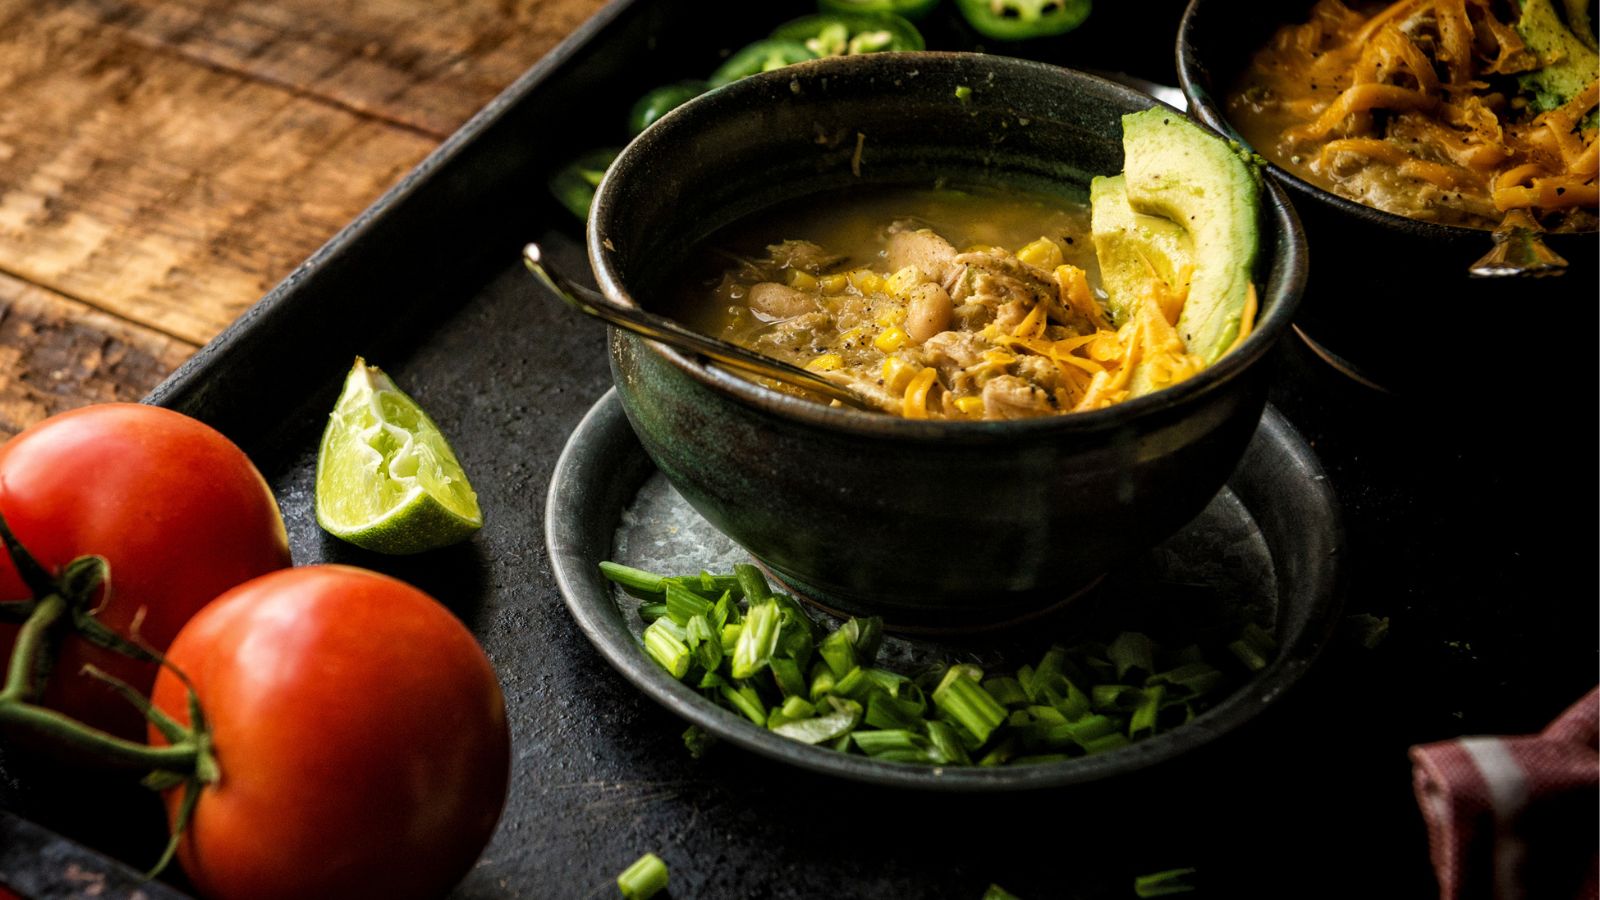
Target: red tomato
point(177, 510)
point(359, 731)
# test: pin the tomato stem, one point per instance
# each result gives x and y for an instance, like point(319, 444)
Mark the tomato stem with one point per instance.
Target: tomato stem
point(18, 715)
point(21, 684)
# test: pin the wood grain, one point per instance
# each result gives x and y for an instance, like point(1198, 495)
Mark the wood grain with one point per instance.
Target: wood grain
point(164, 162)
point(425, 64)
point(57, 354)
point(163, 191)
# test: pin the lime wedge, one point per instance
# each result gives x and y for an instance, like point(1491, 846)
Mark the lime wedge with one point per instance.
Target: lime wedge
point(386, 478)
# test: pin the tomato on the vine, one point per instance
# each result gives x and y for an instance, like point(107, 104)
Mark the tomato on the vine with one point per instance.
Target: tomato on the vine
point(178, 512)
point(358, 732)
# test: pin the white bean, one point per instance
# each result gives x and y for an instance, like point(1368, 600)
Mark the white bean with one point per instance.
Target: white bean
point(928, 312)
point(778, 301)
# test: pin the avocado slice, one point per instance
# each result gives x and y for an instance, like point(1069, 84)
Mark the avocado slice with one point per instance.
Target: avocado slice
point(1132, 245)
point(1569, 65)
point(1177, 170)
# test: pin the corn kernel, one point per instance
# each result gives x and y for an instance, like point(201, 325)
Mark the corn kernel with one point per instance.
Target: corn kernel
point(851, 338)
point(1042, 253)
point(833, 284)
point(827, 362)
point(893, 314)
point(969, 406)
point(803, 281)
point(901, 282)
point(866, 281)
point(897, 373)
point(891, 339)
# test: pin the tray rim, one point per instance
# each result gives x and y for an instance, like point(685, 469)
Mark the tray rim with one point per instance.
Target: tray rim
point(618, 647)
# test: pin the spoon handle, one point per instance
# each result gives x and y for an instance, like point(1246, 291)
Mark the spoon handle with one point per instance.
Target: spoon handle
point(659, 328)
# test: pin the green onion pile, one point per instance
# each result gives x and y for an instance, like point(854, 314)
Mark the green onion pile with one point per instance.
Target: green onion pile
point(760, 654)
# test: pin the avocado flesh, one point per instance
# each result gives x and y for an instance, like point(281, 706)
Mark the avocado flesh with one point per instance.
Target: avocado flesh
point(1134, 250)
point(1176, 170)
point(1569, 65)
point(1131, 246)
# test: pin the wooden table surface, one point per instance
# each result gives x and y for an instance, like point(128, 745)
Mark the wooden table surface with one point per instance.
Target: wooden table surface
point(163, 163)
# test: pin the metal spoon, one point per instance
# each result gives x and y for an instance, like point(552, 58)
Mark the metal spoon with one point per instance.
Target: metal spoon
point(659, 328)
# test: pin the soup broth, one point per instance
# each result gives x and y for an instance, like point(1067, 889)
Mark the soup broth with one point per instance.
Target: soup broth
point(934, 303)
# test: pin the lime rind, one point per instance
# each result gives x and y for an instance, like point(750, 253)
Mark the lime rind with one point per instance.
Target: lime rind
point(387, 479)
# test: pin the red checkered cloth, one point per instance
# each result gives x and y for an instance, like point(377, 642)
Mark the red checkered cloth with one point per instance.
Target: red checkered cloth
point(1514, 818)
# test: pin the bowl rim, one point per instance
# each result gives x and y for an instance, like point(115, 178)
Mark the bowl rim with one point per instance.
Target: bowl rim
point(1275, 211)
point(1194, 81)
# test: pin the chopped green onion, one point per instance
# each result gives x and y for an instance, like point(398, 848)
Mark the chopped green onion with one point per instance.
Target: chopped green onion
point(1143, 721)
point(1133, 655)
point(757, 641)
point(1195, 679)
point(897, 745)
point(704, 643)
point(798, 708)
point(643, 879)
point(884, 711)
point(1075, 704)
point(855, 684)
point(717, 585)
point(964, 699)
point(684, 604)
point(667, 648)
point(794, 610)
point(1115, 698)
point(843, 716)
point(1025, 676)
point(1002, 754)
point(1254, 647)
point(825, 690)
point(745, 700)
point(1006, 691)
point(725, 610)
point(838, 650)
point(1113, 741)
point(786, 672)
point(1163, 884)
point(822, 681)
point(751, 583)
point(868, 638)
point(995, 891)
point(642, 584)
point(947, 742)
point(794, 634)
point(964, 92)
point(698, 740)
point(1092, 728)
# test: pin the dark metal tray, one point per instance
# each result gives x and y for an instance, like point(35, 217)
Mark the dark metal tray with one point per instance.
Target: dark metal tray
point(1448, 513)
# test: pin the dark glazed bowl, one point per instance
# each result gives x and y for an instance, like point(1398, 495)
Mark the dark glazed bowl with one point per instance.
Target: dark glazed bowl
point(1390, 300)
point(925, 523)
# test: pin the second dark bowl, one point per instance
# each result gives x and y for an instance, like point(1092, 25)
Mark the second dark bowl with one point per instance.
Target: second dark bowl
point(1390, 298)
point(925, 523)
